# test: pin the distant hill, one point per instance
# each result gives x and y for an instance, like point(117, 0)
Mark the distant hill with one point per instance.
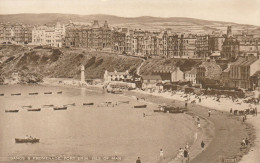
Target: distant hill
point(176, 24)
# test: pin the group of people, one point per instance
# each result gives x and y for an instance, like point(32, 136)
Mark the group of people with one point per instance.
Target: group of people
point(245, 142)
point(184, 154)
point(28, 137)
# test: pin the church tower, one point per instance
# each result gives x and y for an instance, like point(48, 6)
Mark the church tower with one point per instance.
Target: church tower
point(229, 32)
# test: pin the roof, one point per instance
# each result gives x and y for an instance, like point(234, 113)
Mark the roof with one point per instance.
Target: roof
point(216, 54)
point(117, 73)
point(192, 71)
point(151, 77)
point(247, 61)
point(165, 69)
point(256, 74)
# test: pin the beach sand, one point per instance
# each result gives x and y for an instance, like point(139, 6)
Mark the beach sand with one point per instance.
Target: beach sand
point(223, 139)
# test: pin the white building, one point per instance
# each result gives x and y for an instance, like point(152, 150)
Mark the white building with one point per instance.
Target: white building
point(191, 75)
point(116, 76)
point(52, 36)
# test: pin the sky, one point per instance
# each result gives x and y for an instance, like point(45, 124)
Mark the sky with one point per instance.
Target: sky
point(237, 11)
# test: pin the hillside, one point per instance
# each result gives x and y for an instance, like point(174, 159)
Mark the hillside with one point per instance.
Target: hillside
point(39, 62)
point(176, 24)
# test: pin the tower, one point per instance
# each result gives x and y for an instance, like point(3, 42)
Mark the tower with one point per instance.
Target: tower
point(82, 78)
point(229, 31)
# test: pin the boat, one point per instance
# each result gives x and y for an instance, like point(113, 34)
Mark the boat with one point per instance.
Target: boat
point(47, 92)
point(60, 108)
point(117, 92)
point(123, 102)
point(140, 106)
point(91, 103)
point(34, 109)
point(11, 111)
point(34, 140)
point(35, 93)
point(73, 104)
point(171, 109)
point(48, 105)
point(27, 106)
point(59, 92)
point(16, 94)
point(2, 94)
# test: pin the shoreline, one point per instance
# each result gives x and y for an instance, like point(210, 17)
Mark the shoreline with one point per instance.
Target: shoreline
point(248, 130)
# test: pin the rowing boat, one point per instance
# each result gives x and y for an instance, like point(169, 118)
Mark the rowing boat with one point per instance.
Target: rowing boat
point(60, 108)
point(27, 106)
point(73, 104)
point(16, 94)
point(48, 105)
point(2, 94)
point(140, 106)
point(34, 109)
point(17, 140)
point(47, 92)
point(59, 92)
point(11, 111)
point(35, 93)
point(91, 103)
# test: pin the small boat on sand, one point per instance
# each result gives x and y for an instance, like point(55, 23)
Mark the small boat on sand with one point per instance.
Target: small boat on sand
point(34, 140)
point(2, 94)
point(73, 104)
point(35, 93)
point(11, 111)
point(34, 109)
point(60, 108)
point(59, 92)
point(47, 93)
point(140, 106)
point(16, 94)
point(91, 103)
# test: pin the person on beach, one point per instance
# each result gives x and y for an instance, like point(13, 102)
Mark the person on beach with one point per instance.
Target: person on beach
point(138, 160)
point(243, 119)
point(161, 153)
point(143, 114)
point(209, 112)
point(187, 146)
point(181, 152)
point(202, 145)
point(244, 142)
point(256, 111)
point(247, 142)
point(185, 156)
point(198, 124)
point(186, 104)
point(230, 110)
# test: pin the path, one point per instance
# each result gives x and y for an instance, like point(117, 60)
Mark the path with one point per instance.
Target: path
point(138, 69)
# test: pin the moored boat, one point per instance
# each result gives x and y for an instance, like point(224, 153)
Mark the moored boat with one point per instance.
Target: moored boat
point(2, 94)
point(123, 102)
point(16, 94)
point(90, 103)
point(73, 104)
point(48, 105)
point(11, 111)
point(140, 106)
point(47, 93)
point(59, 92)
point(35, 93)
point(34, 140)
point(60, 108)
point(34, 109)
point(27, 106)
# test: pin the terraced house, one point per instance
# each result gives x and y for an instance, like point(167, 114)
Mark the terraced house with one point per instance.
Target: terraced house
point(241, 71)
point(15, 34)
